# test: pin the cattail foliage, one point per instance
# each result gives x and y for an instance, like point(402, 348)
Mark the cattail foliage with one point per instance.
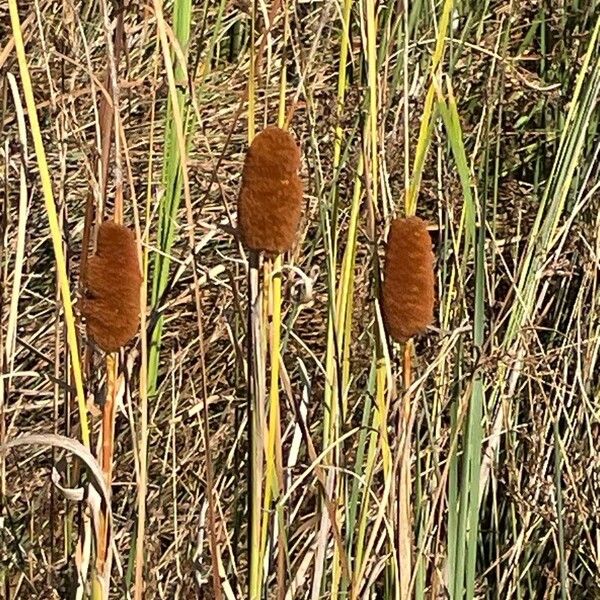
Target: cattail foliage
point(270, 199)
point(408, 288)
point(112, 280)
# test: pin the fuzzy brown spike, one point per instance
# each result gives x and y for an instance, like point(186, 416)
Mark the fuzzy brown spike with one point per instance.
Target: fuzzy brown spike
point(270, 199)
point(408, 289)
point(112, 281)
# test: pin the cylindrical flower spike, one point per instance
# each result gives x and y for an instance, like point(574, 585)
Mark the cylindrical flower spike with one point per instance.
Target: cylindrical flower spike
point(408, 288)
point(270, 199)
point(112, 281)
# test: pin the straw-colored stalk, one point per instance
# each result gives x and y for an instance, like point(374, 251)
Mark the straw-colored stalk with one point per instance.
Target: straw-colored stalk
point(274, 480)
point(408, 575)
point(101, 583)
point(180, 139)
point(53, 221)
point(269, 207)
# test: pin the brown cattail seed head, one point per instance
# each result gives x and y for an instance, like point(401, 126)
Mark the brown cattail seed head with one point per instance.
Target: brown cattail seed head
point(112, 281)
point(270, 200)
point(408, 287)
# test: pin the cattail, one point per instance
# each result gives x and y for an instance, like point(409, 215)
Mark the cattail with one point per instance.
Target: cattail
point(112, 281)
point(408, 287)
point(270, 200)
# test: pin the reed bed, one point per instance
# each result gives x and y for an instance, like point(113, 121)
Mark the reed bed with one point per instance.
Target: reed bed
point(394, 206)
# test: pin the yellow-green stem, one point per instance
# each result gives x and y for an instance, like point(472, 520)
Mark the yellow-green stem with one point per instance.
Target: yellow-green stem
point(55, 232)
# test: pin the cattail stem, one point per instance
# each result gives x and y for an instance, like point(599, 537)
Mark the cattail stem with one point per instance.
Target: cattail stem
point(103, 558)
point(274, 459)
point(253, 374)
point(255, 390)
point(275, 452)
point(142, 449)
point(108, 425)
point(274, 481)
point(403, 524)
point(106, 458)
